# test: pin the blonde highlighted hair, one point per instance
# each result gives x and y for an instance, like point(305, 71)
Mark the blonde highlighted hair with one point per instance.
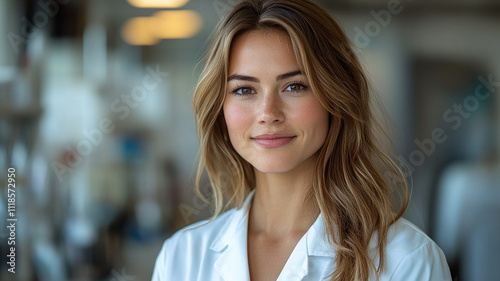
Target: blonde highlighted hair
point(354, 175)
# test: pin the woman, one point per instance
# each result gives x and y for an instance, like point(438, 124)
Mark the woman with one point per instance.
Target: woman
point(283, 118)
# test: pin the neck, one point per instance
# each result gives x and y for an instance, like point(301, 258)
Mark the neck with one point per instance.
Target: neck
point(280, 206)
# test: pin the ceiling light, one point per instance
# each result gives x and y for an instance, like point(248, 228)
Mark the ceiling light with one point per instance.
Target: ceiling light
point(158, 3)
point(138, 31)
point(177, 24)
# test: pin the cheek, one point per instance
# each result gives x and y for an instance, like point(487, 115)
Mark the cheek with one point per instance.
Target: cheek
point(237, 120)
point(313, 115)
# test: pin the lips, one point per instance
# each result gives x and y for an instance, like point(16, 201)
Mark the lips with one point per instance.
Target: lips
point(273, 140)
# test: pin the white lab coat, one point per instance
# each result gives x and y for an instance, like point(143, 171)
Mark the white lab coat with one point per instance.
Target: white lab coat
point(218, 251)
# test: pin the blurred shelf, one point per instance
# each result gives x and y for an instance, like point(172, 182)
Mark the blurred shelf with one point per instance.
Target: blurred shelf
point(22, 113)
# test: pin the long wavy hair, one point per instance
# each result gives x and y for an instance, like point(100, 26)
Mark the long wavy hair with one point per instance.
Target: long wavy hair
point(355, 177)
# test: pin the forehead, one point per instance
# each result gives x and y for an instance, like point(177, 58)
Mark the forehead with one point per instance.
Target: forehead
point(259, 50)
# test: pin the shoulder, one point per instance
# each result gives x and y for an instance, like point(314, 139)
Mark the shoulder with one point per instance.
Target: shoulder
point(404, 237)
point(189, 246)
point(412, 255)
point(200, 235)
point(203, 232)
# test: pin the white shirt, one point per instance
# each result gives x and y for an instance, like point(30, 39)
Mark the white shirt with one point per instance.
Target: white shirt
point(218, 251)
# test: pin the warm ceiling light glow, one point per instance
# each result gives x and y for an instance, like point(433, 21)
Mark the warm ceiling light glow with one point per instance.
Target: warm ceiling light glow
point(162, 25)
point(177, 24)
point(138, 31)
point(158, 3)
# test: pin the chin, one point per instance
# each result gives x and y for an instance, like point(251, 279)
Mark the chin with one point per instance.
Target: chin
point(274, 168)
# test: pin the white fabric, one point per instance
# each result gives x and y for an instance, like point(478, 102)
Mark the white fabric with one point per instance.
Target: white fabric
point(218, 251)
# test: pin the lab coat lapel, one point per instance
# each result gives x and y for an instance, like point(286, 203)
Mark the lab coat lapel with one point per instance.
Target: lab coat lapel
point(317, 240)
point(296, 267)
point(312, 244)
point(232, 263)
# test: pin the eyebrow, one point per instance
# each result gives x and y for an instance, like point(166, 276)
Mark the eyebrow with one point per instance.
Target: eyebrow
point(254, 79)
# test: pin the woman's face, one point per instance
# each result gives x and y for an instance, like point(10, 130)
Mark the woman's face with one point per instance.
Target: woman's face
point(273, 118)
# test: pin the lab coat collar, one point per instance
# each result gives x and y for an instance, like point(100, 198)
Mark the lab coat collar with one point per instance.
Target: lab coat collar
point(237, 224)
point(231, 242)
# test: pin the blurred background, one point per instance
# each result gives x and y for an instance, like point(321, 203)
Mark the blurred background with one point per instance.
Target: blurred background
point(96, 120)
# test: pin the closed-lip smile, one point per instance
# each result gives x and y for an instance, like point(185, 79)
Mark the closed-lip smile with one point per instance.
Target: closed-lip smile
point(273, 140)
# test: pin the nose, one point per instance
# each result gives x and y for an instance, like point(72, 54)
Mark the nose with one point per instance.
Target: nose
point(271, 109)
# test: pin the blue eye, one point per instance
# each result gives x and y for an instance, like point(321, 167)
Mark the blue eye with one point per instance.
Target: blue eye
point(295, 87)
